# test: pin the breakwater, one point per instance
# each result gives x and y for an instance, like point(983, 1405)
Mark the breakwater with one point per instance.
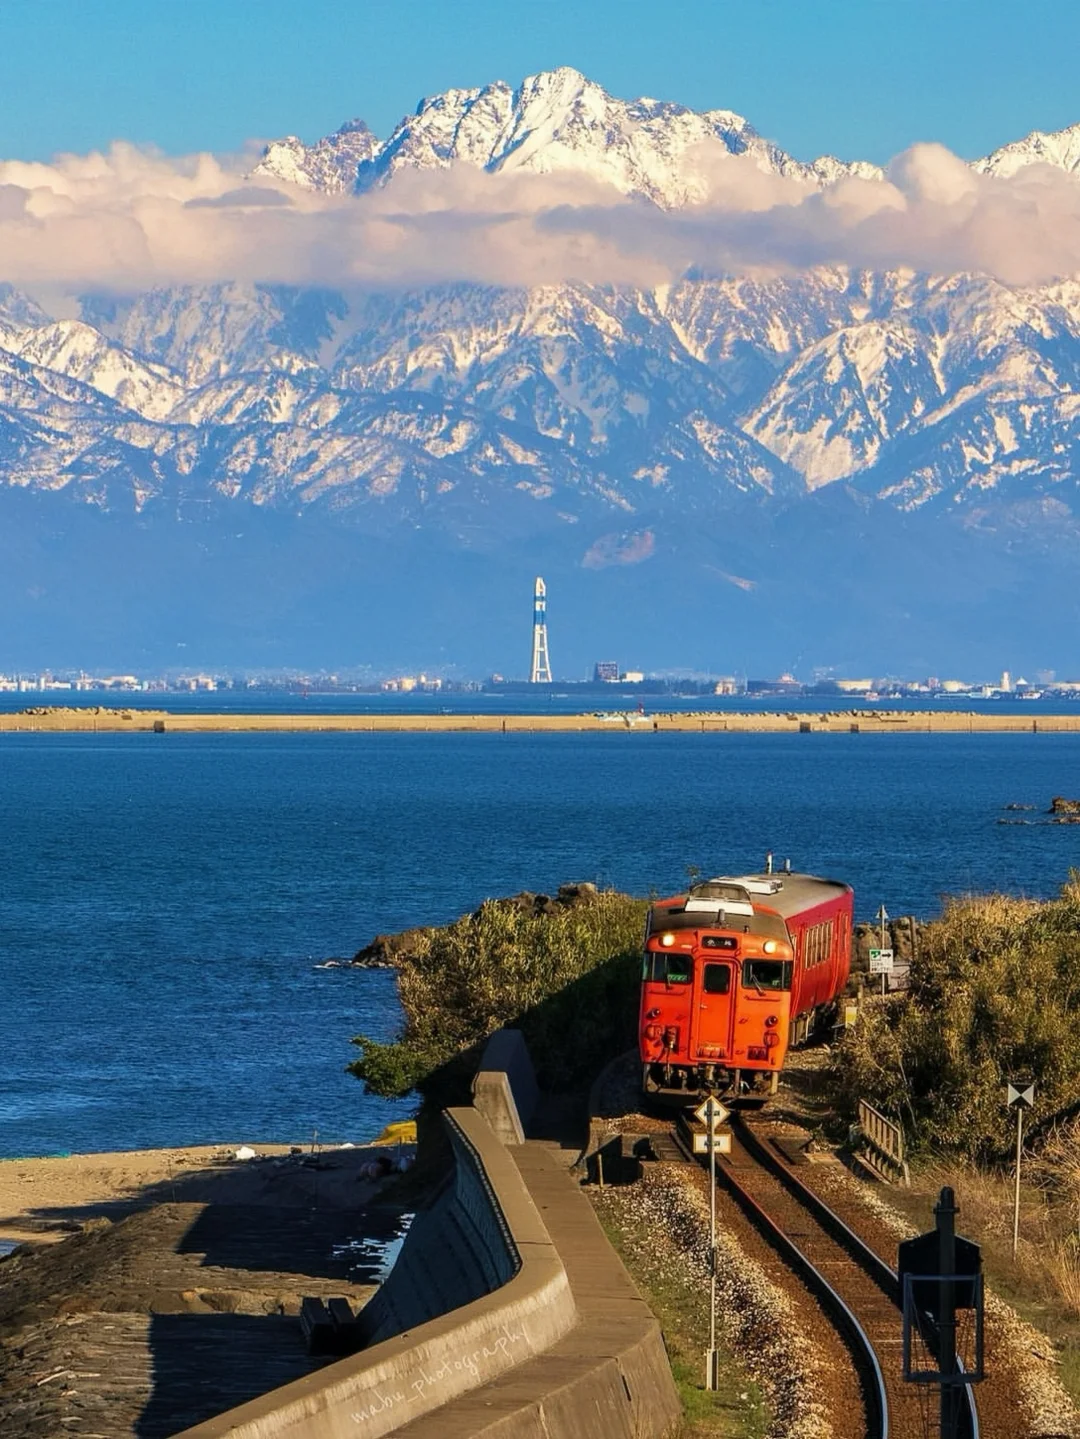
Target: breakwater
point(64, 720)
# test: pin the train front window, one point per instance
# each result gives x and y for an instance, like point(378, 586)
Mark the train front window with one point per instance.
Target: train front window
point(670, 967)
point(716, 978)
point(766, 974)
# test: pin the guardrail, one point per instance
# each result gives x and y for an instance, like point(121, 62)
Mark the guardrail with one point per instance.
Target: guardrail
point(883, 1141)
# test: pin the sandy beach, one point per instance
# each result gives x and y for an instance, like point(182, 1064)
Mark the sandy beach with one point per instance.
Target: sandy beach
point(64, 720)
point(43, 1199)
point(154, 1288)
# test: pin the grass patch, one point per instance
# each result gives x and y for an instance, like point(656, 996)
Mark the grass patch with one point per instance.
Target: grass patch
point(738, 1409)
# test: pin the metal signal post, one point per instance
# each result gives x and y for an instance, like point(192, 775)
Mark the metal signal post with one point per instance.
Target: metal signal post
point(711, 1113)
point(883, 916)
point(940, 1274)
point(1019, 1096)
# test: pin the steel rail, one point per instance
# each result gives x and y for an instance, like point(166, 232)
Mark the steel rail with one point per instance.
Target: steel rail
point(886, 1278)
point(864, 1356)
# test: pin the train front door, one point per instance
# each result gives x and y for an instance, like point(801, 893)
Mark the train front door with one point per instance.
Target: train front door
point(715, 1016)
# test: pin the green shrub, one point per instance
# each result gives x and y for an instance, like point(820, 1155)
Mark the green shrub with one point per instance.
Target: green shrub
point(567, 977)
point(994, 995)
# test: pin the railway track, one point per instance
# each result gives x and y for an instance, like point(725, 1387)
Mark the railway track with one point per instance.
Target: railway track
point(854, 1287)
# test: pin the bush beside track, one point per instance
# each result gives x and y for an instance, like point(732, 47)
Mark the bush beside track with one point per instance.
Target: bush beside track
point(994, 996)
point(565, 971)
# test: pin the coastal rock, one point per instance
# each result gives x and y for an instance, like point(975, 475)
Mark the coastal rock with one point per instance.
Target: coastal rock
point(386, 951)
point(1061, 806)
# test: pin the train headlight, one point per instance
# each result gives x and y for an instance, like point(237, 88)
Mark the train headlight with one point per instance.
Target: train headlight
point(770, 946)
point(667, 940)
point(772, 1020)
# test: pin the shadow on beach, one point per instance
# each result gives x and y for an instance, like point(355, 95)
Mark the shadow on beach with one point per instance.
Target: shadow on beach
point(179, 1300)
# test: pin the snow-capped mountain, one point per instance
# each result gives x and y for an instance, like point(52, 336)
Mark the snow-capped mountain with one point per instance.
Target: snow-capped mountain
point(557, 122)
point(1060, 148)
point(331, 164)
point(618, 424)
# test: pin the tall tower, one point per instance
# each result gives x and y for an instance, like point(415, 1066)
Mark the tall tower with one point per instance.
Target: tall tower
point(540, 672)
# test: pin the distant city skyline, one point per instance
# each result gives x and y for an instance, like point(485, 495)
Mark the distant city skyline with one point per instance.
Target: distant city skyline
point(857, 78)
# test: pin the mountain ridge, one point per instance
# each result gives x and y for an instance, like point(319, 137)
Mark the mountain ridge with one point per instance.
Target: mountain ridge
point(603, 428)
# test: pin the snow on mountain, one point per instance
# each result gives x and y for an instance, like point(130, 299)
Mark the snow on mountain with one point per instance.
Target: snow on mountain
point(556, 122)
point(1060, 148)
point(845, 397)
point(72, 348)
point(462, 405)
point(561, 122)
point(203, 333)
point(331, 164)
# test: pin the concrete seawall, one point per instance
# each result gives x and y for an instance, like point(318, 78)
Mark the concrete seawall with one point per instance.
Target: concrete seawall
point(547, 1339)
point(402, 1377)
point(61, 720)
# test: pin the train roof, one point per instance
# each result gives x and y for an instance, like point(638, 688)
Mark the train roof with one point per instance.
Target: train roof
point(789, 894)
point(745, 899)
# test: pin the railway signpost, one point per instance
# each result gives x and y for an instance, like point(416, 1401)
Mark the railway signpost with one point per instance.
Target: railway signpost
point(712, 1114)
point(941, 1274)
point(1018, 1096)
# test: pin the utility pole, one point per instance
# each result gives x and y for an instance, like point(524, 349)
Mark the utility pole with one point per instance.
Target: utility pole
point(882, 916)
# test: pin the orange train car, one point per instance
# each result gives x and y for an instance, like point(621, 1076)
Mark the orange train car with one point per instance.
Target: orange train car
point(737, 971)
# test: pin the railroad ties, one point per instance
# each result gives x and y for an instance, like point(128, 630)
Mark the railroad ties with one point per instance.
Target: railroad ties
point(857, 1290)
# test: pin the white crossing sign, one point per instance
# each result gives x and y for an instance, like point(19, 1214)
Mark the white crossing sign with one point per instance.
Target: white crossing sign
point(711, 1113)
point(1024, 1097)
point(721, 1143)
point(881, 961)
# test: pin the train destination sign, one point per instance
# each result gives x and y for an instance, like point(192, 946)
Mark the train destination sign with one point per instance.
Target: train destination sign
point(881, 961)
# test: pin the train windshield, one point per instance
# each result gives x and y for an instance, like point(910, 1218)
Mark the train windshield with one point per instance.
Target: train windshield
point(667, 967)
point(766, 974)
point(716, 978)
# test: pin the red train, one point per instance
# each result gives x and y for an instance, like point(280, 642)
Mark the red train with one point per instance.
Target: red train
point(736, 971)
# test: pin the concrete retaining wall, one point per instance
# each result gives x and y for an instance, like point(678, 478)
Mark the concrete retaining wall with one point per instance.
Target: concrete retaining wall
point(547, 1337)
point(456, 1251)
point(504, 1088)
point(400, 1378)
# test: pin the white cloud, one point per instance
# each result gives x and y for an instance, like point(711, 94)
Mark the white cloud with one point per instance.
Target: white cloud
point(130, 218)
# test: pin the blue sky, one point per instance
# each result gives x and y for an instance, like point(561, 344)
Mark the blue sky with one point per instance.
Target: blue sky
point(861, 79)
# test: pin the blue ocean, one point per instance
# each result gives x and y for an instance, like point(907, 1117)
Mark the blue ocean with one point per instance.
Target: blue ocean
point(165, 899)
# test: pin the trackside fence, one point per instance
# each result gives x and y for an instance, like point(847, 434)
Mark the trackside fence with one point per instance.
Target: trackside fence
point(882, 1144)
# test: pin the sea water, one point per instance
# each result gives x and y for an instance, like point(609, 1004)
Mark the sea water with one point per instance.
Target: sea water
point(165, 899)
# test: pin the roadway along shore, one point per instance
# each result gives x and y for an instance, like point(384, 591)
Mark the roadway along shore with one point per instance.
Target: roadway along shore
point(65, 720)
